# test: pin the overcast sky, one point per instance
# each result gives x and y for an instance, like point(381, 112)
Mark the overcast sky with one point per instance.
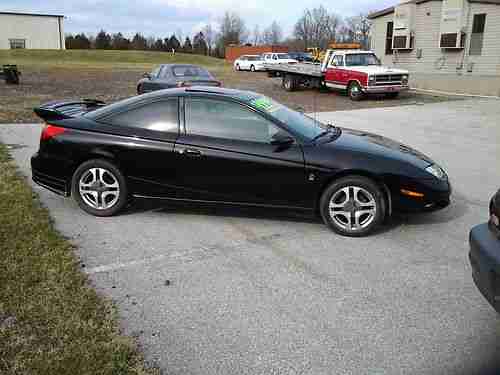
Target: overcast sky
point(163, 17)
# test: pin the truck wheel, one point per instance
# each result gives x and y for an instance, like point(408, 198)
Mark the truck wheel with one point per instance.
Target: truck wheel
point(354, 91)
point(289, 82)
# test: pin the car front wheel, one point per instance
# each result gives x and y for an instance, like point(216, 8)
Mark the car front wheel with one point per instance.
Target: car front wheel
point(252, 68)
point(99, 188)
point(353, 206)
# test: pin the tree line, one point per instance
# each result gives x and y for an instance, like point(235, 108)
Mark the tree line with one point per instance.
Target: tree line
point(316, 27)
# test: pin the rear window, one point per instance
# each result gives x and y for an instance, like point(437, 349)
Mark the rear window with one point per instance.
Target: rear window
point(161, 116)
point(189, 71)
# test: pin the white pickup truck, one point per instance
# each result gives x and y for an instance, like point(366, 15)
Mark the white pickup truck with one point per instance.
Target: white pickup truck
point(356, 71)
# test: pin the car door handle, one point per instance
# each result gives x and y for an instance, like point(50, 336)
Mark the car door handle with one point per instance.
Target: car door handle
point(190, 152)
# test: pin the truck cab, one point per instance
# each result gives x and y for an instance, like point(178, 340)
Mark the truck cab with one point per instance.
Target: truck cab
point(360, 73)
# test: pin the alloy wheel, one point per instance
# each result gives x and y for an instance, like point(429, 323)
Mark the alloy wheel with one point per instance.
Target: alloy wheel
point(353, 208)
point(99, 188)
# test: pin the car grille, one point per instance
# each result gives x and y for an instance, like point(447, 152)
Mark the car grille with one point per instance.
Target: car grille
point(388, 79)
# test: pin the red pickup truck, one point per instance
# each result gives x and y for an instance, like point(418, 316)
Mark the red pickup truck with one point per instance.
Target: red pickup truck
point(356, 71)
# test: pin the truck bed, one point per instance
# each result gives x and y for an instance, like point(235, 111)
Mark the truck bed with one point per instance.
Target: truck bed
point(308, 69)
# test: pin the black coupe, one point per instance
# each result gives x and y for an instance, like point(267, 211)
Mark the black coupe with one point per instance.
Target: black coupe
point(169, 76)
point(224, 146)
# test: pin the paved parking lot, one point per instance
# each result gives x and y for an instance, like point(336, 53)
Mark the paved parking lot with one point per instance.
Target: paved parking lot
point(241, 291)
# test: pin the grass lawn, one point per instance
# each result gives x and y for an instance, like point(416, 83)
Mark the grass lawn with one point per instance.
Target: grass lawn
point(102, 59)
point(51, 320)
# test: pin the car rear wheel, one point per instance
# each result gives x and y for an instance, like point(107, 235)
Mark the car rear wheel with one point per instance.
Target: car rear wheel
point(353, 206)
point(99, 188)
point(354, 91)
point(252, 68)
point(140, 90)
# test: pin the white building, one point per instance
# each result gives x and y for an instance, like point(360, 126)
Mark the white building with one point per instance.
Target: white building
point(447, 45)
point(34, 31)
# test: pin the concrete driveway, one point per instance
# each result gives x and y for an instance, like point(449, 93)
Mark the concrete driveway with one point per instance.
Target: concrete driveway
point(241, 291)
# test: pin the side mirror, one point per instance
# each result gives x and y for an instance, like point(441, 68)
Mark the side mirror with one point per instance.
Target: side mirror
point(282, 139)
point(147, 75)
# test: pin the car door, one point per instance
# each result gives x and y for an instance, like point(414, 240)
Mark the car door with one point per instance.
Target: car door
point(145, 145)
point(335, 71)
point(148, 84)
point(226, 154)
point(244, 63)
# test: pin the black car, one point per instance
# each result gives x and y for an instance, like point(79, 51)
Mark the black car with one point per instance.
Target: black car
point(484, 255)
point(233, 147)
point(301, 56)
point(169, 76)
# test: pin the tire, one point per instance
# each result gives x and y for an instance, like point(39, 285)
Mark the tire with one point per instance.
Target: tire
point(91, 180)
point(289, 83)
point(252, 68)
point(353, 206)
point(354, 92)
point(140, 90)
point(392, 95)
point(238, 67)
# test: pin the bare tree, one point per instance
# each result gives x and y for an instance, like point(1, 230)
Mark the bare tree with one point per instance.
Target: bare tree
point(232, 29)
point(273, 34)
point(209, 34)
point(357, 29)
point(317, 27)
point(256, 36)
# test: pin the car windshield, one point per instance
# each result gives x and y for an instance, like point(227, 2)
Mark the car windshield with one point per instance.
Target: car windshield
point(299, 123)
point(189, 71)
point(361, 59)
point(284, 56)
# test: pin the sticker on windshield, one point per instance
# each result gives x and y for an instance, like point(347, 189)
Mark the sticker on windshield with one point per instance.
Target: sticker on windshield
point(265, 104)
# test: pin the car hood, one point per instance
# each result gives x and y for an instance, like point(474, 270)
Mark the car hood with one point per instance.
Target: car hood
point(376, 69)
point(378, 146)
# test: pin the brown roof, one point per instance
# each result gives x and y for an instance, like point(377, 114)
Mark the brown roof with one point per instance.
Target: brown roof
point(390, 10)
point(32, 14)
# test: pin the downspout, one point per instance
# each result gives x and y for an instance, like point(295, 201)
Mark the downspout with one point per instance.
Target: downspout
point(60, 34)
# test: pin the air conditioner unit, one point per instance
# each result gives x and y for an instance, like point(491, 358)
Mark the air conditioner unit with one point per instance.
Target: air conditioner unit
point(452, 40)
point(452, 34)
point(404, 24)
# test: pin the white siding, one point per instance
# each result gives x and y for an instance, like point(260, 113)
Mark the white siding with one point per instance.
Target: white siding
point(434, 60)
point(40, 32)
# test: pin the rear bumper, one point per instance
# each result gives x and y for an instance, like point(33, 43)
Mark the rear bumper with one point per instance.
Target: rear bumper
point(484, 257)
point(52, 183)
point(385, 89)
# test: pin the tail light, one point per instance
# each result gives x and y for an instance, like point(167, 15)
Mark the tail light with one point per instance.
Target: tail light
point(50, 131)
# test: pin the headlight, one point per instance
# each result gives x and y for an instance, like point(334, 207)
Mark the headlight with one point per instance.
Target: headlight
point(371, 80)
point(404, 79)
point(436, 171)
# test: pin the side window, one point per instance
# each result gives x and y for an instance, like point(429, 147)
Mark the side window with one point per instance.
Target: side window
point(338, 61)
point(222, 119)
point(388, 38)
point(162, 116)
point(165, 72)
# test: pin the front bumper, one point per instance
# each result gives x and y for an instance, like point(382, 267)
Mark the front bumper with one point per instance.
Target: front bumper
point(385, 89)
point(45, 179)
point(436, 195)
point(484, 257)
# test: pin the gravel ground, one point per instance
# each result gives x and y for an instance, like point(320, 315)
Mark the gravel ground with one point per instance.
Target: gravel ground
point(239, 291)
point(43, 84)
